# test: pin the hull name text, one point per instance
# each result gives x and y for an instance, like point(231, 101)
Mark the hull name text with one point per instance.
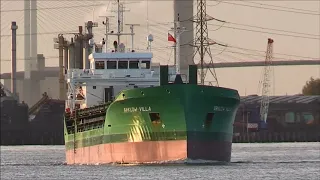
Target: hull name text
point(136, 109)
point(221, 108)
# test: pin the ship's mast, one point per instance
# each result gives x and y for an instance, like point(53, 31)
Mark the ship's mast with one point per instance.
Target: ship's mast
point(107, 26)
point(178, 31)
point(120, 10)
point(132, 34)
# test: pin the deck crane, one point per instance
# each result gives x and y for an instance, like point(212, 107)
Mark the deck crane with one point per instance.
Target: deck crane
point(266, 82)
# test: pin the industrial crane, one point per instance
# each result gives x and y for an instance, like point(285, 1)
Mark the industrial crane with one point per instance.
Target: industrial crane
point(266, 82)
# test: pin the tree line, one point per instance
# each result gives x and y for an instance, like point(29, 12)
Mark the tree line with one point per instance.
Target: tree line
point(312, 87)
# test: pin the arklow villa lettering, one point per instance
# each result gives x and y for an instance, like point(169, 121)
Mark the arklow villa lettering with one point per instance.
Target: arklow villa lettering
point(221, 108)
point(136, 109)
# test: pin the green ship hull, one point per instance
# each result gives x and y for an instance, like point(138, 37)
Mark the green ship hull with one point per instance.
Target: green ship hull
point(164, 123)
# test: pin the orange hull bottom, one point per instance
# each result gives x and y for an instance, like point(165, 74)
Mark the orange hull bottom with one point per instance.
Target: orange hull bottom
point(129, 152)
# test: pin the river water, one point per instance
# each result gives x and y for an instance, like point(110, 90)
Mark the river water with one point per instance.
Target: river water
point(283, 161)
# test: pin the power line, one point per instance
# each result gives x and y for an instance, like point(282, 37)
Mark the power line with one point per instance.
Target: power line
point(233, 52)
point(293, 10)
point(273, 29)
point(261, 51)
point(281, 10)
point(267, 32)
point(159, 24)
point(59, 7)
point(269, 28)
point(48, 8)
point(265, 28)
point(43, 33)
point(291, 55)
point(49, 20)
point(249, 54)
point(55, 57)
point(262, 4)
point(71, 32)
point(294, 32)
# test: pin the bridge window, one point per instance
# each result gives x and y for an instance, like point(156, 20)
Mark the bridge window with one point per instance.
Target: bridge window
point(112, 65)
point(122, 64)
point(145, 65)
point(133, 64)
point(99, 64)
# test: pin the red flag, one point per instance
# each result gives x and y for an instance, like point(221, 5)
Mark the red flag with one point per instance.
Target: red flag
point(171, 38)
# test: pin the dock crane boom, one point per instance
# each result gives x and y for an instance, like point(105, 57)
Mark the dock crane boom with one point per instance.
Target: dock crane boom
point(266, 82)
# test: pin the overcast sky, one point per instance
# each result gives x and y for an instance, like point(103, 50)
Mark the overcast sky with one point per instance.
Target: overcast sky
point(246, 27)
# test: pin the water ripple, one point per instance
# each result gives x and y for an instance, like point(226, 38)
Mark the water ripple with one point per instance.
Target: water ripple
point(285, 161)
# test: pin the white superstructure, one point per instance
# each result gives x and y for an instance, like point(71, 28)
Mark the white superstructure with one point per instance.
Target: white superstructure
point(109, 74)
point(112, 71)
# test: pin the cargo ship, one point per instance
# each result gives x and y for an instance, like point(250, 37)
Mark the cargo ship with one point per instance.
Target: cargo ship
point(126, 109)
